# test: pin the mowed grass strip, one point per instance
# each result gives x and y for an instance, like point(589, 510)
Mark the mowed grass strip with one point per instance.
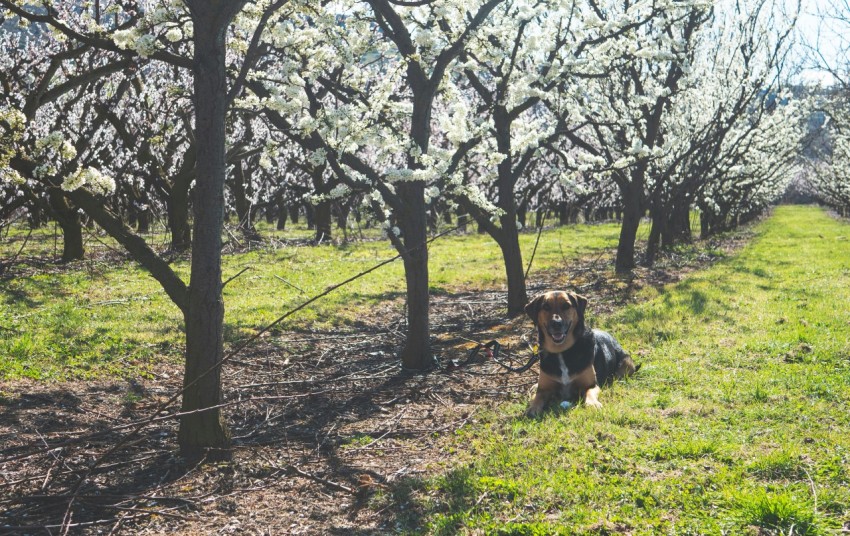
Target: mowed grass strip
point(96, 319)
point(737, 423)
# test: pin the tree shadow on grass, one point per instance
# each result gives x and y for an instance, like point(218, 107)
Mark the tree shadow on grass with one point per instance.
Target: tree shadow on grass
point(330, 436)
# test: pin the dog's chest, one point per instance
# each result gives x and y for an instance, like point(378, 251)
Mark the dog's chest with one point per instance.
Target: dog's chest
point(556, 367)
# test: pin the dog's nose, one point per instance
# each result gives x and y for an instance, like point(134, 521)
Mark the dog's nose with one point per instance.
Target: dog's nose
point(557, 320)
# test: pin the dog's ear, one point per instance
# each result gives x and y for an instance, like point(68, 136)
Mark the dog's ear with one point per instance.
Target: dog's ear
point(533, 307)
point(580, 303)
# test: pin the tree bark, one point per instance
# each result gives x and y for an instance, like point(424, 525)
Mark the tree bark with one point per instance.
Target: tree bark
point(282, 214)
point(242, 203)
point(322, 219)
point(656, 231)
point(416, 353)
point(203, 432)
point(632, 212)
point(514, 270)
point(177, 206)
point(72, 229)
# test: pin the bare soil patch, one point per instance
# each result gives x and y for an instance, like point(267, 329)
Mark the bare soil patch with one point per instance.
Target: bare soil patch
point(323, 422)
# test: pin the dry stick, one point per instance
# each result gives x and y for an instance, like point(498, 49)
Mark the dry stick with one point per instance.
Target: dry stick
point(290, 284)
point(66, 521)
point(15, 257)
point(242, 271)
point(334, 485)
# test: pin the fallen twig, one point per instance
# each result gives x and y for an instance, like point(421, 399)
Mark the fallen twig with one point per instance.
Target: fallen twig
point(333, 485)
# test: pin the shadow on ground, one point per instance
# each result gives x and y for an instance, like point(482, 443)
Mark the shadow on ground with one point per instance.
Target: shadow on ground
point(330, 436)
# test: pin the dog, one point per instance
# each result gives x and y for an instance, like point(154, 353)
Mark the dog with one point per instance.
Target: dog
point(574, 360)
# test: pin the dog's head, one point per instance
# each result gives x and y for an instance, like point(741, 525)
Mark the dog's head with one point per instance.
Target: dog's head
point(559, 317)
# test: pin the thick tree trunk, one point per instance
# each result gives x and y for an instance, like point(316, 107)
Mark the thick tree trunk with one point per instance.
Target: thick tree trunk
point(508, 236)
point(203, 432)
point(412, 220)
point(632, 213)
point(72, 229)
point(633, 207)
point(416, 353)
point(514, 270)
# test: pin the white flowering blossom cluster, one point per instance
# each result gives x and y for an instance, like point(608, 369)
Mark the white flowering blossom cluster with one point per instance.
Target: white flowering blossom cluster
point(827, 177)
point(91, 178)
point(603, 103)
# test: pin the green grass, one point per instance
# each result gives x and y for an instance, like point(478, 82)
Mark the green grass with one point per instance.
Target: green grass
point(737, 423)
point(94, 319)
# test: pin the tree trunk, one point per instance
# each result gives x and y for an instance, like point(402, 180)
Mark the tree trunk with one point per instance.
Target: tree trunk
point(462, 220)
point(679, 225)
point(323, 218)
point(72, 230)
point(656, 231)
point(412, 220)
point(342, 216)
point(243, 204)
point(308, 215)
point(416, 354)
point(177, 206)
point(282, 213)
point(563, 214)
point(143, 221)
point(514, 270)
point(632, 213)
point(521, 215)
point(203, 432)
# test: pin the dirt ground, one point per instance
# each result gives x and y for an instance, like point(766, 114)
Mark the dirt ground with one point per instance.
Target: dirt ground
point(322, 423)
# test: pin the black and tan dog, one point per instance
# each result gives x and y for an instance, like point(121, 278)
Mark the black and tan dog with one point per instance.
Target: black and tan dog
point(574, 361)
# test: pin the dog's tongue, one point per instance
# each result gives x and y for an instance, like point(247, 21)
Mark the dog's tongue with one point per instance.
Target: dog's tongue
point(559, 337)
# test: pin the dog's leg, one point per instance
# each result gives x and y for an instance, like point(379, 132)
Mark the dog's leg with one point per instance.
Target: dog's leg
point(542, 398)
point(591, 397)
point(547, 390)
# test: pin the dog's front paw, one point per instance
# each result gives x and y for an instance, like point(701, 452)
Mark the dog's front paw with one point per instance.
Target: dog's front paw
point(593, 404)
point(532, 412)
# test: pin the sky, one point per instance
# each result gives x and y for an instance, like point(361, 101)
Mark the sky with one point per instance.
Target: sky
point(825, 34)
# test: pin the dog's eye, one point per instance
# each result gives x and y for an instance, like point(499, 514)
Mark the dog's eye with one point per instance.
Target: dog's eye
point(547, 307)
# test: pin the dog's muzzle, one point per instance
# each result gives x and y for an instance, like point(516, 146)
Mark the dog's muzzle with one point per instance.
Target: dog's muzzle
point(558, 330)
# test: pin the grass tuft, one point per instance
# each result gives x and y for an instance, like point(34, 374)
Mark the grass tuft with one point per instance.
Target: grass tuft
point(781, 513)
